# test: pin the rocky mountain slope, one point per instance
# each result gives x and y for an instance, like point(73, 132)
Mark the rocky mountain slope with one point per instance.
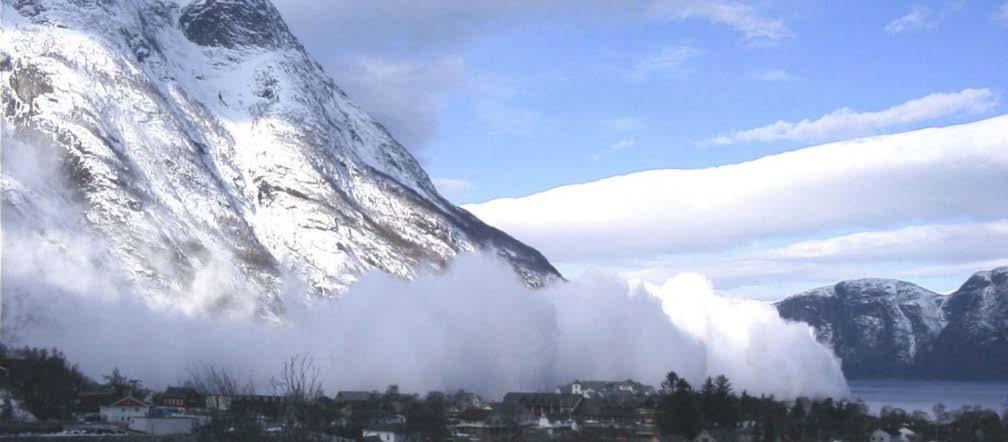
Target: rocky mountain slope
point(199, 141)
point(889, 328)
point(975, 342)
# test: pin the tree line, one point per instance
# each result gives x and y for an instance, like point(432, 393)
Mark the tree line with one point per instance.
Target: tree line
point(685, 410)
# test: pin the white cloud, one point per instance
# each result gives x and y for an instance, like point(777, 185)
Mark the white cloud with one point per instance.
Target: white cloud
point(774, 75)
point(755, 28)
point(846, 122)
point(401, 60)
point(623, 144)
point(405, 96)
point(416, 47)
point(940, 242)
point(924, 176)
point(670, 60)
point(452, 188)
point(615, 147)
point(939, 254)
point(917, 19)
point(1001, 14)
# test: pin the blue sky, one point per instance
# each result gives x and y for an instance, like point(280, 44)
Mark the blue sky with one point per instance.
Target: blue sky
point(507, 99)
point(566, 78)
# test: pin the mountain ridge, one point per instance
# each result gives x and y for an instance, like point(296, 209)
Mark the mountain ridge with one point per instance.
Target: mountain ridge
point(892, 328)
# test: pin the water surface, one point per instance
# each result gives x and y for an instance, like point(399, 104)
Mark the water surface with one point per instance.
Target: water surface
point(923, 395)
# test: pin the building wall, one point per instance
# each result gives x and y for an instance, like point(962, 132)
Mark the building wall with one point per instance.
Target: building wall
point(386, 436)
point(121, 415)
point(161, 426)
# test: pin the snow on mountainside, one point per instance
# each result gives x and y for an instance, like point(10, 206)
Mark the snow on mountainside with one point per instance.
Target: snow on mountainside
point(873, 325)
point(882, 328)
point(201, 138)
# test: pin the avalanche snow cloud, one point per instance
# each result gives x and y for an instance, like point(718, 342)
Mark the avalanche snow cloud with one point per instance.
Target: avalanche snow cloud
point(474, 326)
point(183, 181)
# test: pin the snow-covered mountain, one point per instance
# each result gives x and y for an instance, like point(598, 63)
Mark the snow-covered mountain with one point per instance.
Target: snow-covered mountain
point(884, 327)
point(199, 138)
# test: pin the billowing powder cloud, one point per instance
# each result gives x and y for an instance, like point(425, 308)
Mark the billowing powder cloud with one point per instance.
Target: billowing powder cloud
point(474, 326)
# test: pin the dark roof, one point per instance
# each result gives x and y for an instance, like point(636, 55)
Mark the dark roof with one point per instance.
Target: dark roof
point(179, 392)
point(397, 428)
point(129, 401)
point(355, 396)
point(474, 414)
point(603, 408)
point(558, 400)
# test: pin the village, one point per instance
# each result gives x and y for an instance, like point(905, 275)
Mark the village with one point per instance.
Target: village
point(43, 397)
point(581, 410)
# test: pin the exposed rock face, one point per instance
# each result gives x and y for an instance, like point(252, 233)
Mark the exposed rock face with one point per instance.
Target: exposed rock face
point(889, 328)
point(203, 145)
point(974, 345)
point(235, 23)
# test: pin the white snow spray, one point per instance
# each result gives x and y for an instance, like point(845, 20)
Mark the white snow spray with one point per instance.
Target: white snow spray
point(475, 326)
point(472, 326)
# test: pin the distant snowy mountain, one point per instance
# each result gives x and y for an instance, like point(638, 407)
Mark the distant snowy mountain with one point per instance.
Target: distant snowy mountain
point(201, 137)
point(890, 328)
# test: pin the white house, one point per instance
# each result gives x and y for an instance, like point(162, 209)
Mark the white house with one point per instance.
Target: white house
point(906, 435)
point(388, 433)
point(880, 436)
point(704, 436)
point(123, 411)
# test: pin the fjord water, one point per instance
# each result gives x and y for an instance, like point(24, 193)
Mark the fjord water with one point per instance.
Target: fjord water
point(923, 395)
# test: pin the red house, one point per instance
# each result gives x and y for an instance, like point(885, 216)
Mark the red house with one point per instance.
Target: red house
point(182, 398)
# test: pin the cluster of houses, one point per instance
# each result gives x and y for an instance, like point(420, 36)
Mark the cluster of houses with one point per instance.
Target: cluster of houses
point(601, 410)
point(176, 411)
point(621, 410)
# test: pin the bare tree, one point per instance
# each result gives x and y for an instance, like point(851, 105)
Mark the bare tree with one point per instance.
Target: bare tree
point(212, 379)
point(299, 379)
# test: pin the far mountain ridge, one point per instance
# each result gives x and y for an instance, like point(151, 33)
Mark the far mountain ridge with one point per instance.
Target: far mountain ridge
point(891, 328)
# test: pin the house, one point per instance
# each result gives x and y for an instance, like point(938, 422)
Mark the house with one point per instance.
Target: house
point(905, 435)
point(902, 435)
point(704, 436)
point(218, 402)
point(605, 388)
point(89, 403)
point(223, 402)
point(389, 433)
point(121, 412)
point(182, 398)
point(356, 397)
point(880, 436)
point(554, 406)
point(617, 411)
